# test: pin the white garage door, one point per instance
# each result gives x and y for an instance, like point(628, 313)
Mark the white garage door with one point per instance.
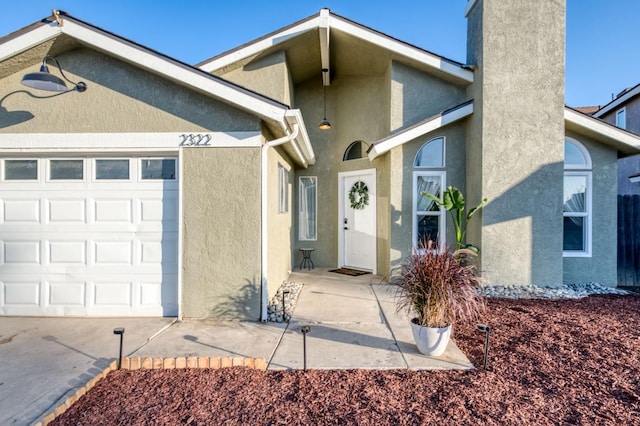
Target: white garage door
point(89, 236)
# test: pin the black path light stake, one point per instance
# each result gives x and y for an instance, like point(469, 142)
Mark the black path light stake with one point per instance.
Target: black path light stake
point(284, 306)
point(305, 329)
point(487, 330)
point(120, 331)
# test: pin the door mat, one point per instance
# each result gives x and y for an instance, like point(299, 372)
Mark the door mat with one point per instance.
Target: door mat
point(349, 271)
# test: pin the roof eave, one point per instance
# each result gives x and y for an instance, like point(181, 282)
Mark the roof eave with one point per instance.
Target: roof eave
point(626, 142)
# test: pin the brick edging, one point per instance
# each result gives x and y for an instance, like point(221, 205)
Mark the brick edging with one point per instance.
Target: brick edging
point(157, 363)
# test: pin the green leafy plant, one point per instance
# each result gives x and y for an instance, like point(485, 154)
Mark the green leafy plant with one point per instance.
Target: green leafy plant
point(453, 201)
point(436, 290)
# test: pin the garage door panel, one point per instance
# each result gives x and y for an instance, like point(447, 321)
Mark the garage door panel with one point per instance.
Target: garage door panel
point(67, 294)
point(114, 293)
point(21, 211)
point(21, 252)
point(113, 252)
point(113, 211)
point(159, 210)
point(67, 211)
point(67, 252)
point(20, 293)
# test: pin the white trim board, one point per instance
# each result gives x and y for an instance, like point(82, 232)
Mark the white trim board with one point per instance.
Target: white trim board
point(57, 142)
point(622, 140)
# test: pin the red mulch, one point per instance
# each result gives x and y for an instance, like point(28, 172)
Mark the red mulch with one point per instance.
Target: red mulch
point(550, 363)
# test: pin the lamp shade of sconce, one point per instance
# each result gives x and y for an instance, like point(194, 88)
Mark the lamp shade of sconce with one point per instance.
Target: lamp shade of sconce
point(44, 80)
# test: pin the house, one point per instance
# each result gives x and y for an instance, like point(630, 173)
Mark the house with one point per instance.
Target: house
point(624, 111)
point(169, 189)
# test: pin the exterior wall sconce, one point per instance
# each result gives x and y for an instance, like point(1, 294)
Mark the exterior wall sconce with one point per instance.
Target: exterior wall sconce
point(324, 124)
point(44, 80)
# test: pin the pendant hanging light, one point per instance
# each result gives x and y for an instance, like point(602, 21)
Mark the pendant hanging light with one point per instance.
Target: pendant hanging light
point(44, 80)
point(324, 124)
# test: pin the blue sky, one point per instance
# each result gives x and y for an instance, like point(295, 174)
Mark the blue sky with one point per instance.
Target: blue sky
point(602, 52)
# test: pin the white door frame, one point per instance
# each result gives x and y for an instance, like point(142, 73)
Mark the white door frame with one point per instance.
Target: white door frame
point(342, 207)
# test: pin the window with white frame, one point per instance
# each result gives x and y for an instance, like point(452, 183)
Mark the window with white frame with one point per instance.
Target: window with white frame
point(576, 200)
point(308, 209)
point(429, 220)
point(621, 118)
point(283, 189)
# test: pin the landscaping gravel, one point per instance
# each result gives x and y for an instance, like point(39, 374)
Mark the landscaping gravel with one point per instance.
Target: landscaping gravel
point(551, 362)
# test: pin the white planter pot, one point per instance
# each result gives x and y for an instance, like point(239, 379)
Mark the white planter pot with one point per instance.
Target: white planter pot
point(431, 341)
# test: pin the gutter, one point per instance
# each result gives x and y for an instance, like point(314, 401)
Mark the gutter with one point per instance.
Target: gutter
point(290, 137)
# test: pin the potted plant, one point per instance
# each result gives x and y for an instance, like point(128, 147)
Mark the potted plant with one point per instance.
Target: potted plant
point(437, 291)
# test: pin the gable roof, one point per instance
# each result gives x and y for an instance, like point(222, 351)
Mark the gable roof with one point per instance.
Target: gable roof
point(330, 29)
point(277, 116)
point(628, 143)
point(619, 101)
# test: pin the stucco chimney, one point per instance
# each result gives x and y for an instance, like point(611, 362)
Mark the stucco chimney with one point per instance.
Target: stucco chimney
point(515, 142)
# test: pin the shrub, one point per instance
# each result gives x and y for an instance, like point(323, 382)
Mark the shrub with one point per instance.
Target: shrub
point(436, 289)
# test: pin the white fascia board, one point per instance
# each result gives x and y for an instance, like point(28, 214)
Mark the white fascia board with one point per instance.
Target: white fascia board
point(409, 51)
point(125, 142)
point(302, 142)
point(183, 74)
point(257, 47)
point(411, 133)
point(634, 178)
point(325, 60)
point(602, 129)
point(617, 102)
point(28, 40)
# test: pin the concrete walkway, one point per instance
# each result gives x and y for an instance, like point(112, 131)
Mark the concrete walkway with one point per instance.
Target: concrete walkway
point(352, 321)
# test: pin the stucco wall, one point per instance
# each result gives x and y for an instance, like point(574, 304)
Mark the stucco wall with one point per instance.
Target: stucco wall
point(357, 109)
point(416, 95)
point(519, 100)
point(402, 159)
point(221, 233)
point(268, 76)
point(279, 225)
point(601, 267)
point(119, 98)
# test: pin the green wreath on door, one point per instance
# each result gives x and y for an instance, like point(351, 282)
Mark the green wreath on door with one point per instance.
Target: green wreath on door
point(359, 195)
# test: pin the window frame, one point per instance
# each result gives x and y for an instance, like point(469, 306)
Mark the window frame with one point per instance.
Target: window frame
point(4, 170)
point(140, 169)
point(49, 179)
point(315, 205)
point(131, 166)
point(442, 164)
point(586, 171)
point(283, 189)
point(441, 213)
point(621, 112)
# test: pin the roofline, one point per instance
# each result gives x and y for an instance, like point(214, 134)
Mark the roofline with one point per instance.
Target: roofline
point(448, 66)
point(618, 101)
point(143, 57)
point(628, 142)
point(435, 122)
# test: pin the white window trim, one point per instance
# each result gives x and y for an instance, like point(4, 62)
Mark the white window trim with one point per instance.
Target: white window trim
point(587, 217)
point(443, 164)
point(283, 189)
point(38, 179)
point(133, 172)
point(139, 166)
point(442, 223)
point(587, 158)
point(622, 111)
point(48, 170)
point(299, 206)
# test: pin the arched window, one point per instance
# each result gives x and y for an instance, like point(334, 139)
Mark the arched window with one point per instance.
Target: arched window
point(428, 218)
point(355, 151)
point(431, 154)
point(576, 200)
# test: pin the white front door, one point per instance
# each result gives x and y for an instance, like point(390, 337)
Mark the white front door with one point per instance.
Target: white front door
point(358, 219)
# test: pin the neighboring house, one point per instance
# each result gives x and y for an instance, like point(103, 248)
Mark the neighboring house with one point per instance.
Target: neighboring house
point(166, 189)
point(624, 112)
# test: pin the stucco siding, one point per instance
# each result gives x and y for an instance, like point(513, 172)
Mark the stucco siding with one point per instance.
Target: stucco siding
point(416, 95)
point(221, 264)
point(119, 98)
point(357, 109)
point(279, 224)
point(268, 76)
point(601, 267)
point(520, 127)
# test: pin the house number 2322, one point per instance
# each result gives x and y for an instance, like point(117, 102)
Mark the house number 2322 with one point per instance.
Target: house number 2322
point(195, 140)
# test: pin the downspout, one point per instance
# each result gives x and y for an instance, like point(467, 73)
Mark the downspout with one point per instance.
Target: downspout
point(264, 289)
